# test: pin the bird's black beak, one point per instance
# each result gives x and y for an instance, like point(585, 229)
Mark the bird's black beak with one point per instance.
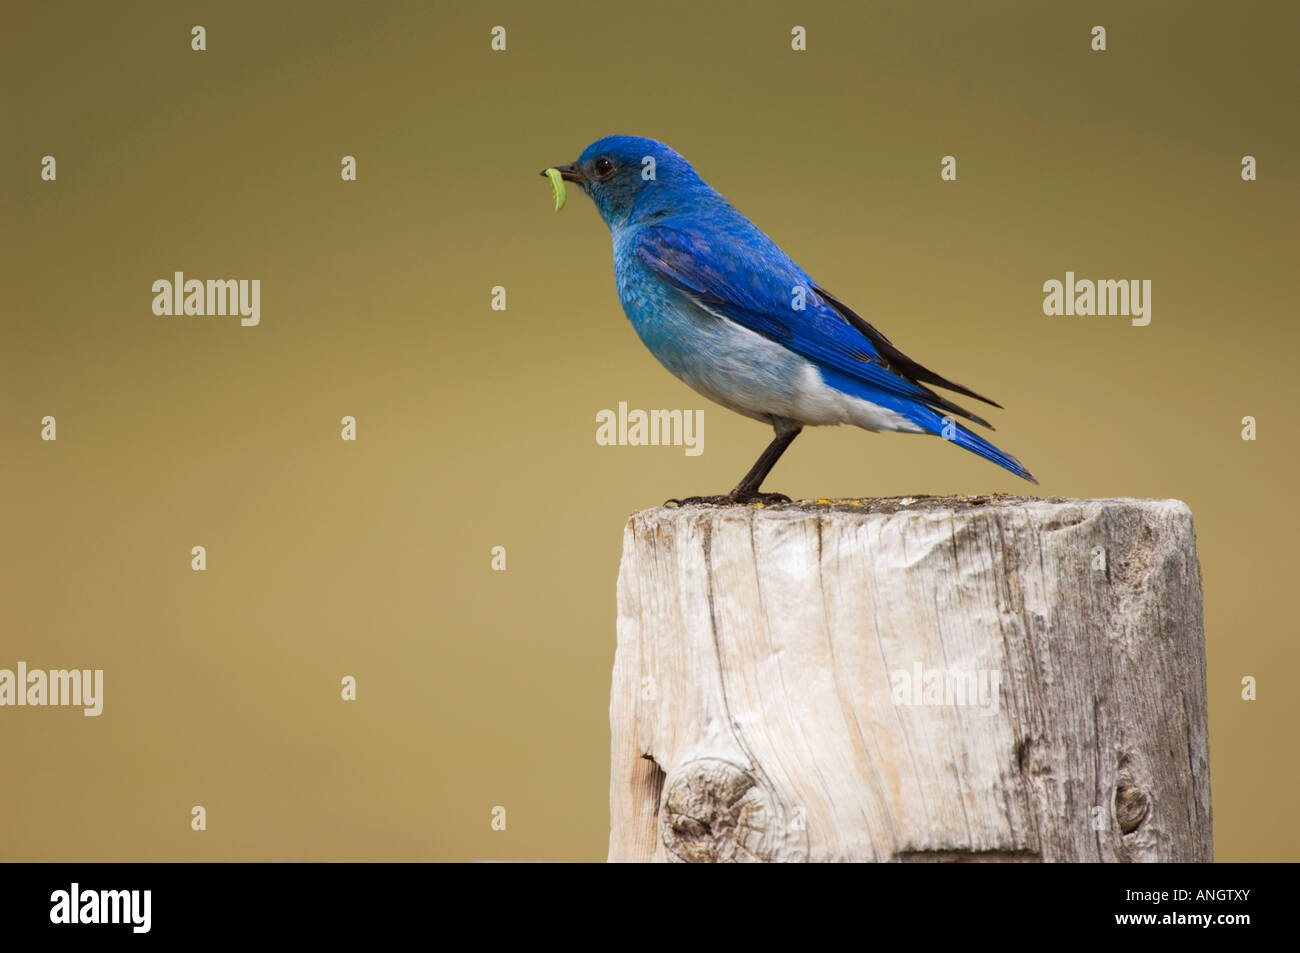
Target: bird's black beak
point(569, 173)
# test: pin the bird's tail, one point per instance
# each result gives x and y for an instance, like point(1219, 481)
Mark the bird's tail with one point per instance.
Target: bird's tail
point(949, 429)
point(930, 420)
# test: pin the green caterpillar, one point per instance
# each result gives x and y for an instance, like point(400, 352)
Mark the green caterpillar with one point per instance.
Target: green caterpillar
point(557, 187)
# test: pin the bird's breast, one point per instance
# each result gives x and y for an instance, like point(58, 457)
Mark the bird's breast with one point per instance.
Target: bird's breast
point(726, 363)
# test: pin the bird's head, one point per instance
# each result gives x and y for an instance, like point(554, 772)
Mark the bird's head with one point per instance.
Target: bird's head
point(631, 178)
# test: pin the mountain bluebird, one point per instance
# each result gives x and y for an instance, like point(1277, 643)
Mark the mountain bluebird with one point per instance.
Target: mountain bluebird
point(733, 316)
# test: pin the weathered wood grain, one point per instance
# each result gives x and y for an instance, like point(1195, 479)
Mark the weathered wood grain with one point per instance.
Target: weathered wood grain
point(762, 710)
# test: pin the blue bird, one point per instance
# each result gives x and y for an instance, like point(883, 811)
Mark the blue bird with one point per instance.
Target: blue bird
point(733, 316)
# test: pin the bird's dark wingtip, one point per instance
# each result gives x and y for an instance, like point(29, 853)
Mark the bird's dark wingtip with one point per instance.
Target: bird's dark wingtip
point(898, 361)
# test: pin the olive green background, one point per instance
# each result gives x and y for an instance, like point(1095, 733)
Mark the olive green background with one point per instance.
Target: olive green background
point(476, 427)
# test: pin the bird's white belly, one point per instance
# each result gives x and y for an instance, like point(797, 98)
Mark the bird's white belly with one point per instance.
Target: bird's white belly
point(817, 403)
point(752, 375)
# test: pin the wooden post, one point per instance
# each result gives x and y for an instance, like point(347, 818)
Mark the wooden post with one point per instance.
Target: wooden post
point(969, 678)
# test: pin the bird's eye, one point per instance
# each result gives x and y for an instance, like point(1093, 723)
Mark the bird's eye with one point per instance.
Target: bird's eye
point(603, 166)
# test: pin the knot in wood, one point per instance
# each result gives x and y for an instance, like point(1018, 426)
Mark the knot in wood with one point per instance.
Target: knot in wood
point(715, 811)
point(1131, 807)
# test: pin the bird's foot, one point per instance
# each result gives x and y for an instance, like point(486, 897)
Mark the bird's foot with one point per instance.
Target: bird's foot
point(767, 499)
point(734, 498)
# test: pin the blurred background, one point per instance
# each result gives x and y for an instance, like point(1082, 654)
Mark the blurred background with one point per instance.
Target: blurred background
point(476, 428)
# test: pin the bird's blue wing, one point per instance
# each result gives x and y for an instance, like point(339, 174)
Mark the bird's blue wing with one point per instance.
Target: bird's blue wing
point(738, 272)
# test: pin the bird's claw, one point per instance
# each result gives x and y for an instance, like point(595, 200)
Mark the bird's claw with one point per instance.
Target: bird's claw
point(705, 500)
point(734, 498)
point(767, 499)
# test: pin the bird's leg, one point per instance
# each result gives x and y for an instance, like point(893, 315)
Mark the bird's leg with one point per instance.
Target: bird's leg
point(746, 490)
